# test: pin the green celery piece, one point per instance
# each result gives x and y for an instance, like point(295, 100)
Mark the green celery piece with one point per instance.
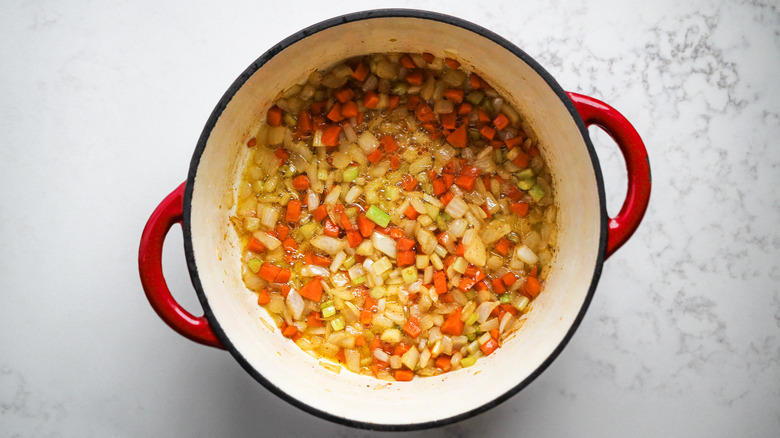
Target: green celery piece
point(472, 319)
point(525, 174)
point(468, 361)
point(525, 184)
point(360, 280)
point(475, 97)
point(338, 324)
point(350, 173)
point(377, 216)
point(505, 299)
point(254, 265)
point(536, 192)
point(329, 311)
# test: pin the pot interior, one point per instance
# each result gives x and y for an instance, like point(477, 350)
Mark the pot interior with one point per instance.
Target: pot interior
point(278, 362)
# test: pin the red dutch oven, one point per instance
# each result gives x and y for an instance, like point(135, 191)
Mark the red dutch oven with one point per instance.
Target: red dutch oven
point(232, 319)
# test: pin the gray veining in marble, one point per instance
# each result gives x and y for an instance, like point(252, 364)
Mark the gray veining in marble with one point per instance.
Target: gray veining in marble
point(101, 106)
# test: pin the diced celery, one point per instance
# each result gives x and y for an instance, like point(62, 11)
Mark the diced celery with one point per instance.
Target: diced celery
point(322, 174)
point(254, 265)
point(513, 237)
point(360, 280)
point(350, 173)
point(444, 215)
point(377, 216)
point(471, 336)
point(525, 174)
point(349, 262)
point(432, 211)
point(378, 292)
point(328, 311)
point(472, 319)
point(399, 89)
point(308, 230)
point(536, 192)
point(505, 299)
point(289, 120)
point(410, 274)
point(468, 361)
point(475, 97)
point(338, 324)
point(525, 184)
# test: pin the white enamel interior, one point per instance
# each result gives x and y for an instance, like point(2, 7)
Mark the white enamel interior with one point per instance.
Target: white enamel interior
point(359, 398)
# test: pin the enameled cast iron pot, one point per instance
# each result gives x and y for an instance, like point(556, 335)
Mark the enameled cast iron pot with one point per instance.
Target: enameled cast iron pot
point(232, 317)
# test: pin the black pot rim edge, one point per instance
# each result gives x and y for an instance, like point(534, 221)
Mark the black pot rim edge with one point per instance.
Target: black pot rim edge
point(257, 64)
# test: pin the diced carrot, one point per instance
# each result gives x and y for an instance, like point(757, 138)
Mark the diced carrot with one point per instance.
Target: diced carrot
point(354, 238)
point(375, 157)
point(255, 245)
point(412, 102)
point(314, 319)
point(443, 362)
point(412, 327)
point(331, 229)
point(394, 101)
point(451, 63)
point(448, 121)
point(498, 285)
point(488, 347)
point(401, 348)
point(370, 99)
point(252, 142)
point(285, 290)
point(304, 121)
point(408, 183)
point(465, 182)
point(404, 375)
point(319, 213)
point(454, 95)
point(465, 109)
point(344, 220)
point(281, 155)
point(438, 186)
point(531, 287)
point(395, 162)
point(522, 159)
point(503, 246)
point(318, 107)
point(469, 170)
point(349, 109)
point(500, 122)
point(406, 62)
point(508, 308)
point(312, 290)
point(474, 81)
point(513, 192)
point(482, 285)
point(440, 282)
point(289, 244)
point(483, 116)
point(520, 208)
point(330, 136)
point(359, 117)
point(513, 142)
point(494, 334)
point(487, 132)
point(360, 341)
point(283, 276)
point(335, 113)
point(366, 316)
point(424, 113)
point(449, 179)
point(360, 73)
point(509, 279)
point(406, 258)
point(343, 94)
point(474, 272)
point(533, 271)
point(415, 77)
point(533, 151)
point(293, 209)
point(428, 57)
point(404, 244)
point(460, 250)
point(340, 356)
point(274, 117)
point(466, 283)
point(388, 143)
point(365, 225)
point(447, 298)
point(268, 272)
point(457, 138)
point(411, 213)
point(263, 297)
point(453, 326)
point(319, 260)
point(290, 331)
point(395, 232)
point(446, 198)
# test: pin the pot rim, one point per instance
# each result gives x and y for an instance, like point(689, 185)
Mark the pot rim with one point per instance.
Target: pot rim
point(262, 60)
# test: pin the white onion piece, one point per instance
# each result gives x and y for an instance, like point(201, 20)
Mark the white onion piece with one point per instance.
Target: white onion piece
point(267, 240)
point(330, 245)
point(312, 200)
point(367, 142)
point(506, 321)
point(381, 355)
point(333, 196)
point(457, 207)
point(294, 303)
point(410, 358)
point(385, 244)
point(337, 261)
point(427, 241)
point(475, 249)
point(484, 309)
point(314, 271)
point(525, 254)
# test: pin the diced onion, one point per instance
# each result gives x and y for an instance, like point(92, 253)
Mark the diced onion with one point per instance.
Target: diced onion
point(525, 254)
point(427, 241)
point(330, 245)
point(384, 243)
point(484, 310)
point(367, 142)
point(337, 261)
point(314, 271)
point(294, 303)
point(457, 207)
point(267, 240)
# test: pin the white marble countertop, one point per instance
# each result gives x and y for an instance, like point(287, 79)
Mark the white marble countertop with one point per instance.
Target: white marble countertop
point(100, 109)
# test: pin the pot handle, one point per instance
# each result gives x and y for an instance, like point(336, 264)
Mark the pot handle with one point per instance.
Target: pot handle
point(595, 112)
point(165, 215)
